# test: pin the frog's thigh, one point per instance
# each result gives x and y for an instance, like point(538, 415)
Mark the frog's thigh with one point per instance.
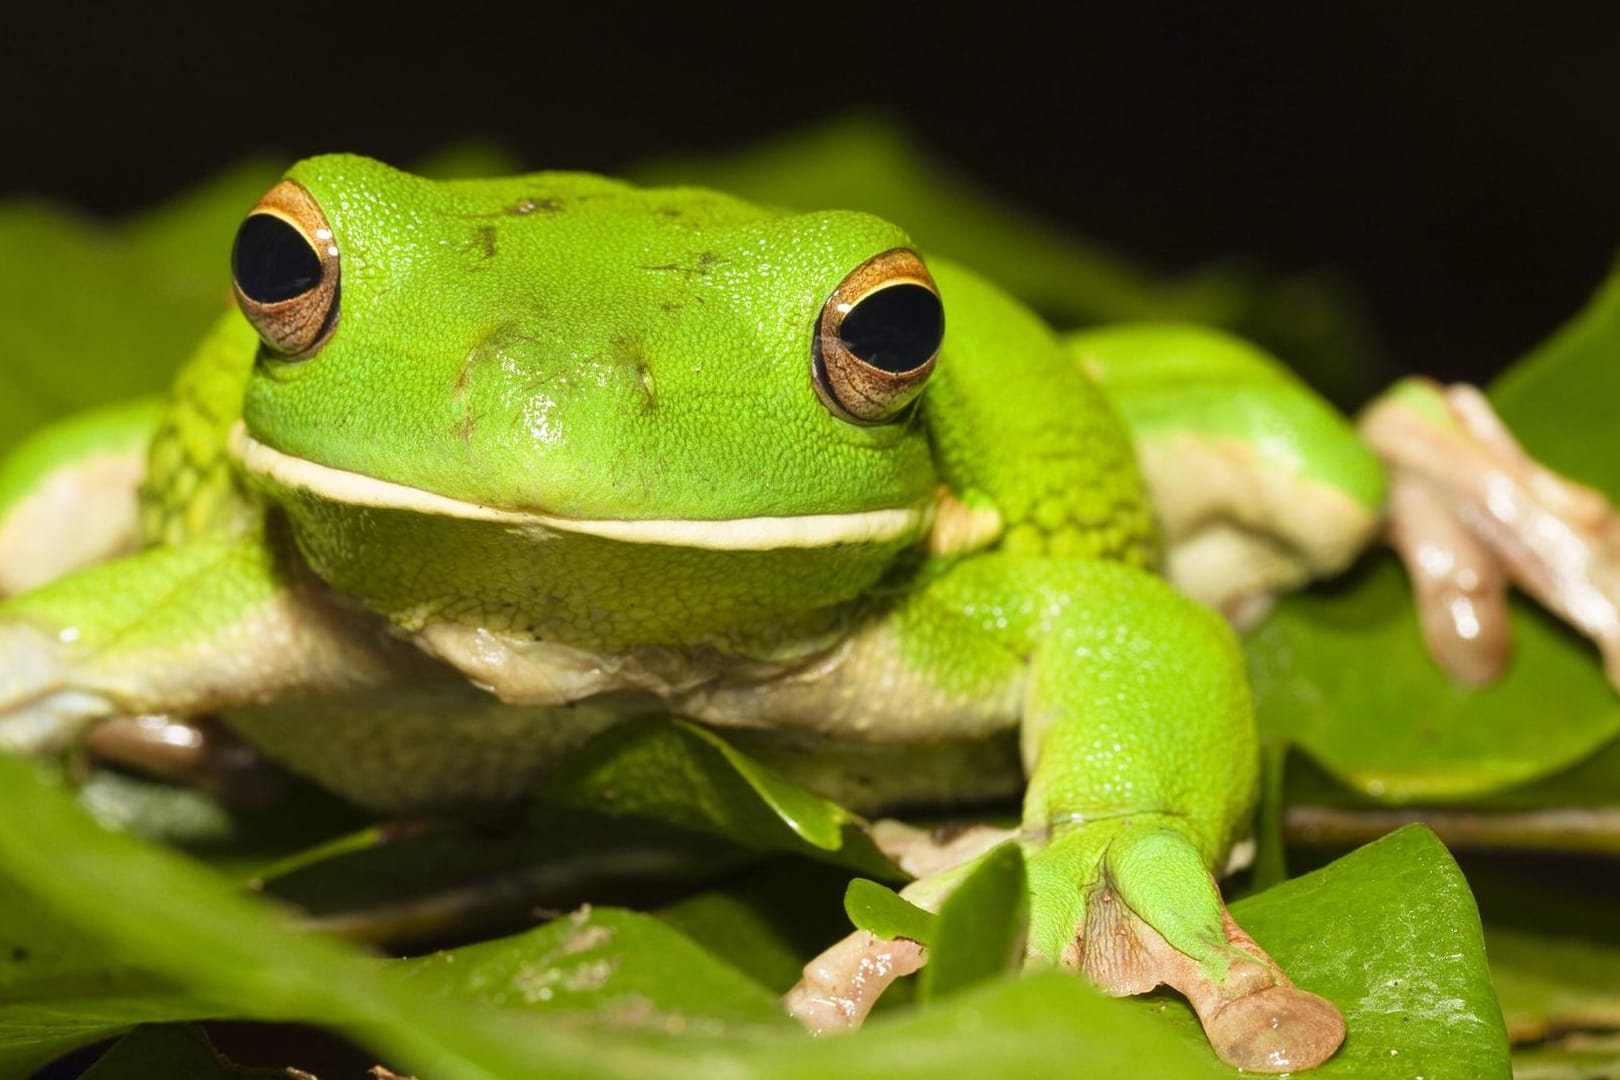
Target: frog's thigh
point(68, 494)
point(1139, 741)
point(1259, 484)
point(1238, 528)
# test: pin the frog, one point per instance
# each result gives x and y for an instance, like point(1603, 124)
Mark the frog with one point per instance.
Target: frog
point(475, 470)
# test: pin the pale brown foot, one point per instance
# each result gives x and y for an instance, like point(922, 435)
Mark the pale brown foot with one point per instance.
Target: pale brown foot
point(1107, 901)
point(925, 852)
point(1469, 506)
point(840, 986)
point(1253, 1015)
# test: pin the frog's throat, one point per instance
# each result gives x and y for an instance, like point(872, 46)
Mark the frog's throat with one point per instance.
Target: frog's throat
point(729, 534)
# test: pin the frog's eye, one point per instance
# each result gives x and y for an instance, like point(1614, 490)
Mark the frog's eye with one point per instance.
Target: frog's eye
point(284, 267)
point(877, 338)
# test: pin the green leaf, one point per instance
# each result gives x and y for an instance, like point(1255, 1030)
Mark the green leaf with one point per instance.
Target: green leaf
point(884, 912)
point(1047, 1025)
point(979, 932)
point(687, 775)
point(1390, 934)
point(175, 922)
point(1342, 671)
point(60, 989)
point(768, 922)
point(1551, 981)
point(612, 967)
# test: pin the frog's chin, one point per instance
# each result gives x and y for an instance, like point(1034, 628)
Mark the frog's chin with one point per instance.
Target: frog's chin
point(729, 534)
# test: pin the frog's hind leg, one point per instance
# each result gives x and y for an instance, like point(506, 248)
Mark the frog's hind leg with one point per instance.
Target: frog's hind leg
point(1259, 485)
point(1137, 736)
point(68, 494)
point(1148, 914)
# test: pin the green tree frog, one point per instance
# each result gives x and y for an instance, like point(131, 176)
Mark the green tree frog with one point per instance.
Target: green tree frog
point(476, 469)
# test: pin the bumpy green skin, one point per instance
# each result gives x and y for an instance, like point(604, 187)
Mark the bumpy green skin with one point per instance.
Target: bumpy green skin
point(192, 489)
point(569, 346)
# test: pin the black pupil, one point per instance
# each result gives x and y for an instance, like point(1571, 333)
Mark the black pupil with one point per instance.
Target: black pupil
point(272, 261)
point(896, 329)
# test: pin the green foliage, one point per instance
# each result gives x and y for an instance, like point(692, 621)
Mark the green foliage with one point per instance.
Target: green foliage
point(887, 914)
point(687, 775)
point(1389, 931)
point(981, 927)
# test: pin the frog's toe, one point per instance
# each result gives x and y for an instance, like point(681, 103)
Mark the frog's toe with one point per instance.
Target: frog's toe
point(1134, 907)
point(1470, 506)
point(839, 987)
point(1277, 1029)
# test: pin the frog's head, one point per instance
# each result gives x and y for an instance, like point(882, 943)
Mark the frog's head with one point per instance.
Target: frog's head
point(509, 380)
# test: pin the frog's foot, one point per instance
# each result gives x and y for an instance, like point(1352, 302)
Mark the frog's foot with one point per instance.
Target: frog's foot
point(1131, 904)
point(840, 986)
point(1469, 508)
point(922, 853)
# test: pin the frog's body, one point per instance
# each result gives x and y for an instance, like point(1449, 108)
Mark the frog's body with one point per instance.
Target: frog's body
point(531, 456)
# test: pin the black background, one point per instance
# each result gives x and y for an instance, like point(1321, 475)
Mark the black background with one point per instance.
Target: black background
point(1457, 164)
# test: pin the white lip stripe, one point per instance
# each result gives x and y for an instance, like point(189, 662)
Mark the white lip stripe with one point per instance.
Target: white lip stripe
point(733, 534)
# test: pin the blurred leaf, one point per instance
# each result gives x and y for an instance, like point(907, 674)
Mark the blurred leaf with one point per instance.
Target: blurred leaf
point(1554, 944)
point(1576, 1056)
point(1550, 982)
point(88, 317)
point(884, 912)
point(410, 883)
point(618, 968)
point(172, 1052)
point(1411, 734)
point(980, 930)
point(677, 772)
point(768, 922)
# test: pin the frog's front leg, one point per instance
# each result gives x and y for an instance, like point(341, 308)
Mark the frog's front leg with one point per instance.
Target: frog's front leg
point(1470, 508)
point(1138, 739)
point(184, 630)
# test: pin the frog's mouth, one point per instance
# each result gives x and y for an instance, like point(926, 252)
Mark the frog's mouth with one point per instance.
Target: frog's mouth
point(726, 534)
